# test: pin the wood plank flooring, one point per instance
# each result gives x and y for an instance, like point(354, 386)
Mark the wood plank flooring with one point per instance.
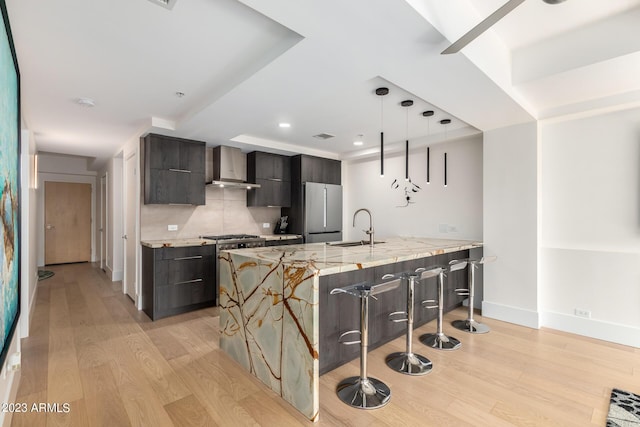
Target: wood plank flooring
point(89, 347)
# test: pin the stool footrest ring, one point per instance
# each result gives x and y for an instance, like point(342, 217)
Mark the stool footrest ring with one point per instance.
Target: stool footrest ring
point(462, 291)
point(394, 317)
point(429, 301)
point(341, 341)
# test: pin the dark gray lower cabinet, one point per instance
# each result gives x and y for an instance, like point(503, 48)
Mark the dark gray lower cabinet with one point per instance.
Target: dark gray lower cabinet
point(341, 312)
point(177, 280)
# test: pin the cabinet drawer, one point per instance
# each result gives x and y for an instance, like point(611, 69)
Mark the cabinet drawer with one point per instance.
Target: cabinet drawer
point(187, 251)
point(184, 294)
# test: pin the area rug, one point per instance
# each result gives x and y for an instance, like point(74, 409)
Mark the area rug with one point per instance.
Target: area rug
point(624, 409)
point(44, 274)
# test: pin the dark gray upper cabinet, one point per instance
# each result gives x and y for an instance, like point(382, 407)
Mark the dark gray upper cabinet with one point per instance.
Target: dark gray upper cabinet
point(174, 170)
point(273, 173)
point(318, 169)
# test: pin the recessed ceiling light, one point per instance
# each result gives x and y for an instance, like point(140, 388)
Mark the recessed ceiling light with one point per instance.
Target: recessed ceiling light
point(85, 102)
point(179, 94)
point(358, 140)
point(284, 125)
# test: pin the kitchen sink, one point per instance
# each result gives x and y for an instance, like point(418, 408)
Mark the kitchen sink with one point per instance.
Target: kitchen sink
point(354, 243)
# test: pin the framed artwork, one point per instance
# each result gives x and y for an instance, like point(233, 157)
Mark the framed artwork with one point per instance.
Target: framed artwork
point(9, 186)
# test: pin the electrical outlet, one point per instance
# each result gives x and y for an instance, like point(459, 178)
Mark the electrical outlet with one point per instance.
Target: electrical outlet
point(443, 228)
point(580, 312)
point(172, 227)
point(266, 225)
point(452, 229)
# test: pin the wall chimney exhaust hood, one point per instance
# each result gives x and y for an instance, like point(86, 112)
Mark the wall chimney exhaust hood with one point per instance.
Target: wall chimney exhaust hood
point(227, 167)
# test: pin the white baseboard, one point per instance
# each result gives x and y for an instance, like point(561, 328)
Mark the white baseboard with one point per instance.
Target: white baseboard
point(510, 314)
point(606, 331)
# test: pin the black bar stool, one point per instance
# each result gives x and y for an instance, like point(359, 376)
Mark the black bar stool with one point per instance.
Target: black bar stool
point(364, 392)
point(439, 340)
point(407, 362)
point(470, 325)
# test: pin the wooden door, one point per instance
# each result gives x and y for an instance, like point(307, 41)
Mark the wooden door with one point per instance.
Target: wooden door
point(130, 247)
point(67, 218)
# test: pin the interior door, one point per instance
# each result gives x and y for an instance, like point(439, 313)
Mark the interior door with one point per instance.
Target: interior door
point(130, 188)
point(67, 218)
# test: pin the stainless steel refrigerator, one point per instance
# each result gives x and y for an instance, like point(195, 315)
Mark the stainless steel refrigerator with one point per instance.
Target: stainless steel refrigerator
point(322, 212)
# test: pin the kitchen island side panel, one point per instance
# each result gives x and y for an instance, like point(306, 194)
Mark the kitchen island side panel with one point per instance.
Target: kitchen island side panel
point(269, 324)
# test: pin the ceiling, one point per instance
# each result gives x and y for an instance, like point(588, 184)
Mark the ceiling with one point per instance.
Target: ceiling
point(245, 66)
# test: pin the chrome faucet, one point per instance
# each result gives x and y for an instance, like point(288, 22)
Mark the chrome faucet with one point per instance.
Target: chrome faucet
point(370, 230)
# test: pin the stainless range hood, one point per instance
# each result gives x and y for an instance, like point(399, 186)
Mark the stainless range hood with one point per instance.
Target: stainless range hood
point(227, 167)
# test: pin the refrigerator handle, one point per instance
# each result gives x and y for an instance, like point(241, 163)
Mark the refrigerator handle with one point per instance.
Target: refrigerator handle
point(324, 211)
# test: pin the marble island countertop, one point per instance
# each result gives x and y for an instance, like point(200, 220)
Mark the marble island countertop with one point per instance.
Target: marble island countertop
point(280, 236)
point(176, 243)
point(327, 259)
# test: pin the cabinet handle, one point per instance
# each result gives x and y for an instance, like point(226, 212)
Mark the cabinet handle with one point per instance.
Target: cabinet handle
point(275, 179)
point(188, 257)
point(179, 170)
point(188, 281)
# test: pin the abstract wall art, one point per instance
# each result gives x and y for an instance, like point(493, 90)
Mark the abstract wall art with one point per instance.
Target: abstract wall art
point(9, 186)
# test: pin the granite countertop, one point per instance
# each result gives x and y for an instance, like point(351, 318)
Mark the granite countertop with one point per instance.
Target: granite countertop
point(327, 259)
point(280, 236)
point(177, 243)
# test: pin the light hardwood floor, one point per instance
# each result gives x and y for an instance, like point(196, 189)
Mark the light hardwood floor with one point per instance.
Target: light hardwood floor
point(90, 348)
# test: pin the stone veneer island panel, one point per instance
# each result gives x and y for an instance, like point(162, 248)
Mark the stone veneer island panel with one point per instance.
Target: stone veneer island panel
point(269, 311)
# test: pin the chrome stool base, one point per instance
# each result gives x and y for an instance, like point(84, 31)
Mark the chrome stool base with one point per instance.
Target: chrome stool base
point(363, 393)
point(409, 363)
point(470, 326)
point(440, 342)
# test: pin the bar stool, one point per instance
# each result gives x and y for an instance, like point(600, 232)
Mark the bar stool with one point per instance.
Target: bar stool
point(439, 340)
point(470, 325)
point(364, 392)
point(407, 362)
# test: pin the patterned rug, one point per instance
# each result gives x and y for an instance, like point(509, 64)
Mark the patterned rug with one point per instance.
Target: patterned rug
point(624, 409)
point(44, 274)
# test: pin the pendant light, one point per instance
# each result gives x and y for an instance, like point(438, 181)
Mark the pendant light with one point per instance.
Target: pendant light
point(445, 122)
point(428, 115)
point(407, 103)
point(382, 91)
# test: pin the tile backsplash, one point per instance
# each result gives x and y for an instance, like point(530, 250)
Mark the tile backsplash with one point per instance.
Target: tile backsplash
point(225, 212)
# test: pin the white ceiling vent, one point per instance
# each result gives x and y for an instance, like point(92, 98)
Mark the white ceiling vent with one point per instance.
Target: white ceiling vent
point(323, 136)
point(167, 4)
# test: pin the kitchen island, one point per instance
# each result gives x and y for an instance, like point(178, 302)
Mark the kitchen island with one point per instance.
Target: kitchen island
point(276, 319)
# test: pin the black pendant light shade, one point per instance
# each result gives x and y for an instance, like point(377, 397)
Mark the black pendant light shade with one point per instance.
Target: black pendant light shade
point(445, 169)
point(428, 161)
point(382, 91)
point(407, 103)
point(427, 114)
point(445, 122)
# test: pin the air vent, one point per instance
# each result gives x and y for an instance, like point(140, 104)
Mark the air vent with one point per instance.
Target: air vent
point(323, 136)
point(167, 4)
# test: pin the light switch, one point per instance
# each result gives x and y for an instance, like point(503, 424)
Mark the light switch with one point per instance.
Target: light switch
point(172, 227)
point(266, 225)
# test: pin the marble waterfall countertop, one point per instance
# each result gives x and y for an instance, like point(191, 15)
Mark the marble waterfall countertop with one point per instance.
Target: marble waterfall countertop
point(269, 306)
point(280, 236)
point(328, 259)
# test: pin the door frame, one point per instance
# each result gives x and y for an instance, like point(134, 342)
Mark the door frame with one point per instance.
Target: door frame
point(103, 222)
point(43, 177)
point(135, 217)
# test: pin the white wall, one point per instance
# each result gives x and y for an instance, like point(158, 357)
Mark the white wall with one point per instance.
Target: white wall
point(590, 216)
point(453, 212)
point(29, 237)
point(511, 224)
point(63, 168)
